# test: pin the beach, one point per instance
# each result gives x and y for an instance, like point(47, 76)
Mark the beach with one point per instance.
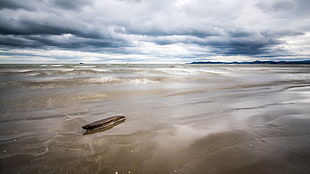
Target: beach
point(180, 118)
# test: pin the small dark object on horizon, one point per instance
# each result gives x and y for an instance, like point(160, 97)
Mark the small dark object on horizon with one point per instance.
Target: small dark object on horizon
point(103, 122)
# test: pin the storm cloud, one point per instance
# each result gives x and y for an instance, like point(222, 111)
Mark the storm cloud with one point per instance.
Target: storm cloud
point(156, 30)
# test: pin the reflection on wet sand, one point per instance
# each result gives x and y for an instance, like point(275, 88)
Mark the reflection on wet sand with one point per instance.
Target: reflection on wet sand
point(214, 119)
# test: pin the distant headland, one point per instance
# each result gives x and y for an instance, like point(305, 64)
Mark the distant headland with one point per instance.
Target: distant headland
point(256, 62)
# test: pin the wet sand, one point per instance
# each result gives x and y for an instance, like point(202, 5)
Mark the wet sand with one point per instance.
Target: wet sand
point(179, 119)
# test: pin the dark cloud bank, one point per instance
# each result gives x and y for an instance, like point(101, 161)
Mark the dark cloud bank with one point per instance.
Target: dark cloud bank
point(226, 28)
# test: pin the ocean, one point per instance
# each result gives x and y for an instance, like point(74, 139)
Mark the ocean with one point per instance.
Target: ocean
point(180, 118)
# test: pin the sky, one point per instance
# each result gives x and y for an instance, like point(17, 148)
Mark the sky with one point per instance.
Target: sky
point(153, 31)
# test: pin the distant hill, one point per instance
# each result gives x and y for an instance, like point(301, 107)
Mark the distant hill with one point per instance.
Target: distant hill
point(257, 62)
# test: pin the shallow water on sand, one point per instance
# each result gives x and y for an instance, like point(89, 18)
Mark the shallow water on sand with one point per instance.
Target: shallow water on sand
point(179, 118)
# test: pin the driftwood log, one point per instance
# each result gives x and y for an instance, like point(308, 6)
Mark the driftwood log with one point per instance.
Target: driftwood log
point(104, 122)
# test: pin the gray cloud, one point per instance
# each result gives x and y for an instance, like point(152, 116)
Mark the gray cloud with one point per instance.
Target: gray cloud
point(32, 5)
point(277, 6)
point(16, 4)
point(250, 28)
point(71, 4)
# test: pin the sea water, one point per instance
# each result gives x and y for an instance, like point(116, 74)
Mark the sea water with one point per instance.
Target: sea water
point(179, 118)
